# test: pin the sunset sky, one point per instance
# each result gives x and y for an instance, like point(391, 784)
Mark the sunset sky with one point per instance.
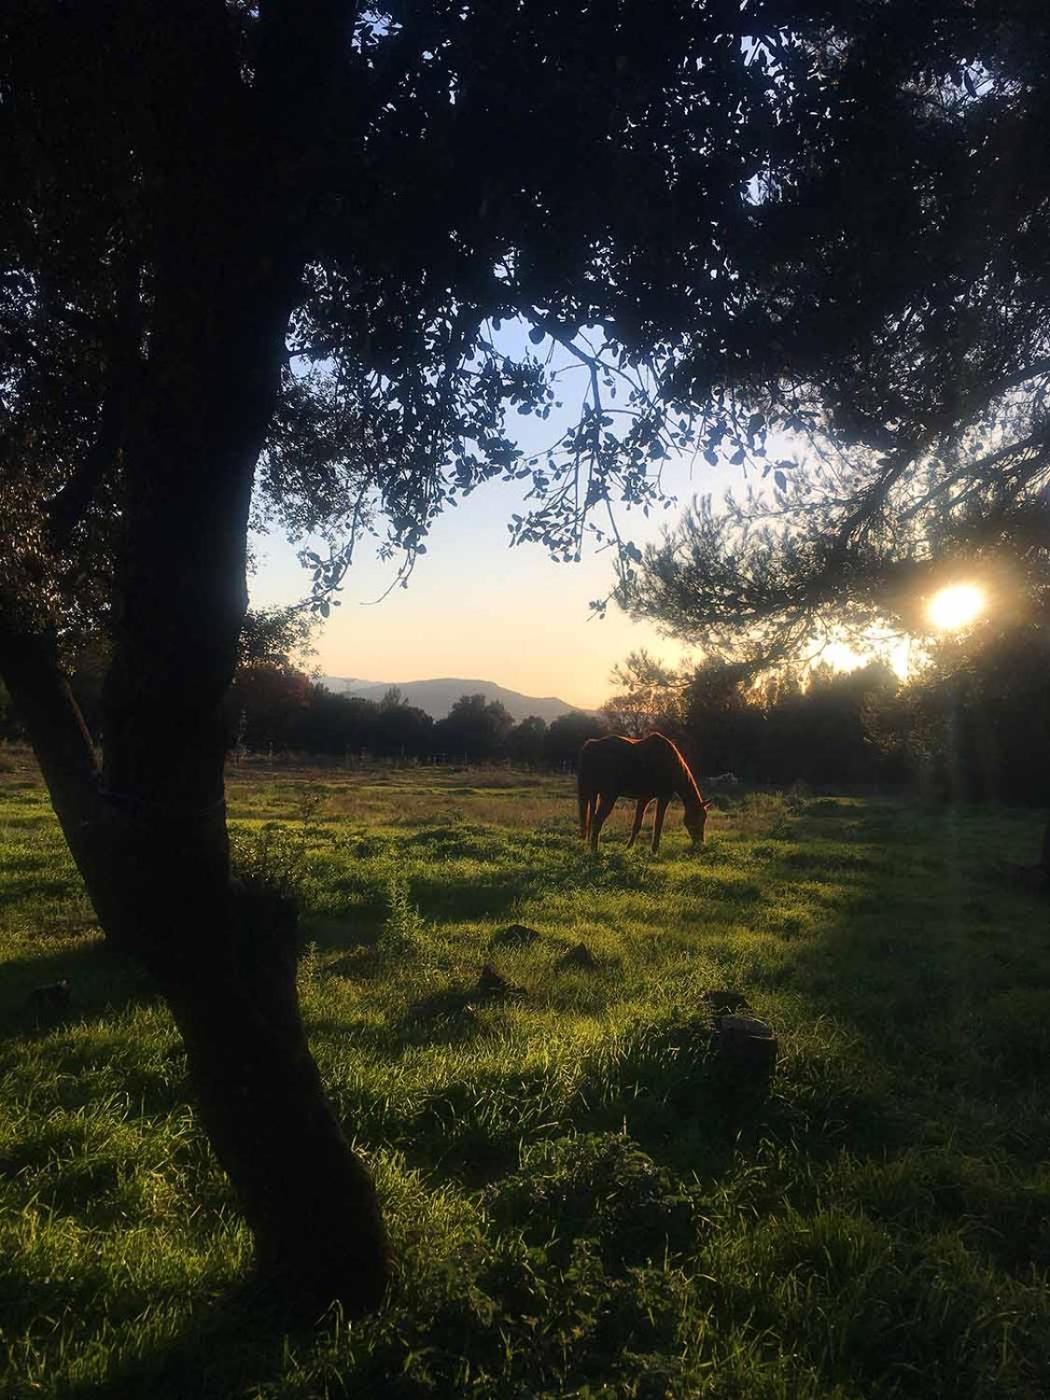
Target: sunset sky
point(478, 609)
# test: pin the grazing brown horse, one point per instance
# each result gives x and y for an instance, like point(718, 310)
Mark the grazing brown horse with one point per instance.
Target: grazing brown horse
point(646, 769)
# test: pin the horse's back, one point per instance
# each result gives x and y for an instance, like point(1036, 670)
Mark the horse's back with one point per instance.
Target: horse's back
point(628, 767)
point(601, 757)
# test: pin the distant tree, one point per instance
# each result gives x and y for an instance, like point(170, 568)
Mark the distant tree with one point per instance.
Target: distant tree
point(975, 723)
point(822, 733)
point(266, 706)
point(473, 728)
point(525, 742)
point(649, 697)
point(401, 729)
point(567, 734)
point(723, 720)
point(326, 723)
point(276, 637)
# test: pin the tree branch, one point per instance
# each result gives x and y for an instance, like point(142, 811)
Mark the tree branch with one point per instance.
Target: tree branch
point(68, 507)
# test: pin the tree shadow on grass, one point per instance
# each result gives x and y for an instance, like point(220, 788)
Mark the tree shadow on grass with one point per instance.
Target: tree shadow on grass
point(101, 983)
point(484, 897)
point(935, 972)
point(238, 1341)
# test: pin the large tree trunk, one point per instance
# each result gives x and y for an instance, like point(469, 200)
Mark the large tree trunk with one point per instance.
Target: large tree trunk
point(150, 840)
point(227, 167)
point(225, 960)
point(149, 832)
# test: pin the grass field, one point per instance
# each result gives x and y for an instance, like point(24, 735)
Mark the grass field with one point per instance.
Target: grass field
point(578, 1208)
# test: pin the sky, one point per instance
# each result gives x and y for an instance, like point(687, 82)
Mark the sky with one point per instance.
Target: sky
point(477, 608)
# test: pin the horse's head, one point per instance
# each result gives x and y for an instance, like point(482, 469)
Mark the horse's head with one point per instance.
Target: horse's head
point(695, 821)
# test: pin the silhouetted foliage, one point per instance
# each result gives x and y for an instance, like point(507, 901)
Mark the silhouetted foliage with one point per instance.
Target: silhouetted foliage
point(973, 723)
point(649, 698)
point(918, 329)
point(976, 724)
point(567, 734)
point(473, 728)
point(526, 741)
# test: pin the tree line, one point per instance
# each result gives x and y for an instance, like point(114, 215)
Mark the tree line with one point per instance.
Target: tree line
point(972, 724)
point(276, 707)
point(281, 709)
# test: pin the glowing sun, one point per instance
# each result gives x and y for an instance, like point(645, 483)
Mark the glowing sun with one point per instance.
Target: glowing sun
point(956, 607)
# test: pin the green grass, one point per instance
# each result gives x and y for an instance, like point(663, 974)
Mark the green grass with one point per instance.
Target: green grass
point(578, 1207)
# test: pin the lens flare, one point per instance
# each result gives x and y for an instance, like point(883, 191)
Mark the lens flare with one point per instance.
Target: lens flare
point(956, 607)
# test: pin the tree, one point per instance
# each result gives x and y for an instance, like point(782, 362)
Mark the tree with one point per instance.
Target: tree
point(912, 438)
point(975, 722)
point(266, 706)
point(723, 720)
point(272, 246)
point(401, 728)
point(473, 728)
point(567, 734)
point(823, 733)
point(525, 741)
point(649, 697)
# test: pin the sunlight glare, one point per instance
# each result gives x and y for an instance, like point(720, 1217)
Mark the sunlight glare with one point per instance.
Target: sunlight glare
point(956, 607)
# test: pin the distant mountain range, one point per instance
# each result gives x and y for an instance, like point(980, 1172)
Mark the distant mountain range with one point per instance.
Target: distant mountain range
point(438, 696)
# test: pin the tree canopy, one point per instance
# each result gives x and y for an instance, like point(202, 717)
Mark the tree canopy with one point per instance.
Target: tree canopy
point(647, 204)
point(916, 325)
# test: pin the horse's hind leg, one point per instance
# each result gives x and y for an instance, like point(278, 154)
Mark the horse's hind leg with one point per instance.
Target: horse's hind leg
point(605, 806)
point(586, 812)
point(639, 814)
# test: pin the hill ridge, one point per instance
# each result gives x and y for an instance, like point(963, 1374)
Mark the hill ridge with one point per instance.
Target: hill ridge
point(437, 694)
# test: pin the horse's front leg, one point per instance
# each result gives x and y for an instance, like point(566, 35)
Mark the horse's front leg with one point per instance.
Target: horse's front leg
point(601, 812)
point(639, 814)
point(658, 823)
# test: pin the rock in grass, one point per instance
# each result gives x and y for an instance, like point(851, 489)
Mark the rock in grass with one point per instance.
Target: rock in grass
point(515, 936)
point(56, 996)
point(1035, 878)
point(747, 1048)
point(726, 1003)
point(580, 956)
point(495, 987)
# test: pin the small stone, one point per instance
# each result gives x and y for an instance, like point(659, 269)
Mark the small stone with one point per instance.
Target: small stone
point(515, 936)
point(726, 1003)
point(580, 956)
point(748, 1047)
point(494, 985)
point(56, 996)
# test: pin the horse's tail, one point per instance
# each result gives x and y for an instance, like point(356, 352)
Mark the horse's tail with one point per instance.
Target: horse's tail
point(585, 792)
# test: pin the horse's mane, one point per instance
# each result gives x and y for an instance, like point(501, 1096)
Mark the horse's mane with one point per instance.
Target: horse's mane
point(686, 771)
